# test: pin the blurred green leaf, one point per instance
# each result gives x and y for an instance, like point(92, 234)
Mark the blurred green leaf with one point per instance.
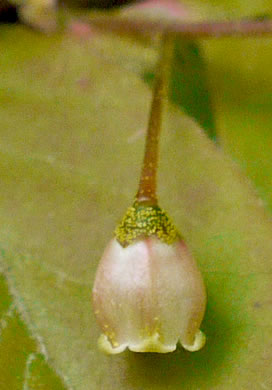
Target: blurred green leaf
point(228, 9)
point(241, 81)
point(72, 134)
point(188, 86)
point(21, 364)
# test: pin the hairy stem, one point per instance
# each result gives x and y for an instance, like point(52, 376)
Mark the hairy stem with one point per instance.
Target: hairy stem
point(239, 28)
point(148, 179)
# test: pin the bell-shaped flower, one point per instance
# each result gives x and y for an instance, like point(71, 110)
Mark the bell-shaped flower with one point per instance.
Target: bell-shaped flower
point(148, 293)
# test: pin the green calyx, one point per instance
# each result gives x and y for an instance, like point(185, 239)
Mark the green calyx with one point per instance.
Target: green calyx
point(142, 220)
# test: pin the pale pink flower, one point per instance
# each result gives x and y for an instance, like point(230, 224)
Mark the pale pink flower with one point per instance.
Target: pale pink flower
point(149, 296)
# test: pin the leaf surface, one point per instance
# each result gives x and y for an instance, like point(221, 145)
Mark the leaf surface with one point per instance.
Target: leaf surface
point(22, 365)
point(72, 135)
point(241, 83)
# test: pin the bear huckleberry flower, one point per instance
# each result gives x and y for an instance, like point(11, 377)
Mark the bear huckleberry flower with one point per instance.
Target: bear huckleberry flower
point(148, 293)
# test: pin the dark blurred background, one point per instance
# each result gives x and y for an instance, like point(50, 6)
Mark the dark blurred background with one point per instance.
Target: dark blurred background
point(9, 14)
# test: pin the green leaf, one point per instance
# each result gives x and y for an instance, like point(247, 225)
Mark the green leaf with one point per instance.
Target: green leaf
point(228, 9)
point(72, 126)
point(188, 86)
point(241, 82)
point(41, 376)
point(21, 365)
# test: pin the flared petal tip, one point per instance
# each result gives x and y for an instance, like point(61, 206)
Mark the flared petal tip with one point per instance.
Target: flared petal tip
point(105, 346)
point(199, 342)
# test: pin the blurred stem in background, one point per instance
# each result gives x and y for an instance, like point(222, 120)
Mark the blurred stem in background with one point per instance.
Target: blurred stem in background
point(189, 87)
point(187, 30)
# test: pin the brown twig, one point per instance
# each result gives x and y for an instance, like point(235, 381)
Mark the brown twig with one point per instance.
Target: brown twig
point(185, 30)
point(148, 180)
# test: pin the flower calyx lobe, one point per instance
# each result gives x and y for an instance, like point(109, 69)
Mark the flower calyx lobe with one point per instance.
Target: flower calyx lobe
point(144, 219)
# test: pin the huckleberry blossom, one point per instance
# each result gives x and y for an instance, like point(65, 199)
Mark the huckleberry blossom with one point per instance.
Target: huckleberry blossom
point(148, 293)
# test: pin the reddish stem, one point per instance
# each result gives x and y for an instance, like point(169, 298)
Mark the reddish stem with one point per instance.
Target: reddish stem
point(212, 29)
point(147, 191)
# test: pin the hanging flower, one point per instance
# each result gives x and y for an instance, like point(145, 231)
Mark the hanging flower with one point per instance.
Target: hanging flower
point(148, 293)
